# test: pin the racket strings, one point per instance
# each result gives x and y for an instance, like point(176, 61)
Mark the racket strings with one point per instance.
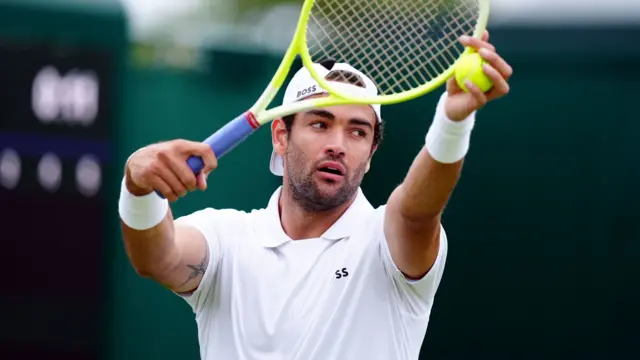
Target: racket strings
point(346, 77)
point(394, 71)
point(410, 76)
point(399, 44)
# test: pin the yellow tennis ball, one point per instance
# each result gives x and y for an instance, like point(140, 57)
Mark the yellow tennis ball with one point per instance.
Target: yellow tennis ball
point(470, 68)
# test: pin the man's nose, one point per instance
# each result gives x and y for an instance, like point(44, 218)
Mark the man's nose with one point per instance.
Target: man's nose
point(336, 147)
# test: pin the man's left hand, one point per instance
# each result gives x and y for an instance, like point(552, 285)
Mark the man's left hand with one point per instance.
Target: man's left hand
point(461, 104)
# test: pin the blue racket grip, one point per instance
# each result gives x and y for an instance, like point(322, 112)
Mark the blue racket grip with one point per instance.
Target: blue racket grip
point(226, 138)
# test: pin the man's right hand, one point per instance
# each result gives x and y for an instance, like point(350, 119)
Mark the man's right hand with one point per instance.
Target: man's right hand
point(163, 167)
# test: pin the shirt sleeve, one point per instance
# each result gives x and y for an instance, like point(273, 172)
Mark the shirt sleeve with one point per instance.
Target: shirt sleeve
point(417, 293)
point(205, 221)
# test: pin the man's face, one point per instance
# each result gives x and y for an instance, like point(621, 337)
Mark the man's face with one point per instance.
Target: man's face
point(327, 155)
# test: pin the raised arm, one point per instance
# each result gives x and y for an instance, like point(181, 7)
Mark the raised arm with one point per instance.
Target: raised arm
point(174, 255)
point(412, 219)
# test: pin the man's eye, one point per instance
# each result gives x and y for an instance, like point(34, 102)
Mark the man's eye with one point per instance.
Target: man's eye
point(360, 133)
point(319, 125)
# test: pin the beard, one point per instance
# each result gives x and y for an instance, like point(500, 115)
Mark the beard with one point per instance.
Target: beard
point(305, 190)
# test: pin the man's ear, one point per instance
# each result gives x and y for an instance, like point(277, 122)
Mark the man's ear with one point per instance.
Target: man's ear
point(279, 136)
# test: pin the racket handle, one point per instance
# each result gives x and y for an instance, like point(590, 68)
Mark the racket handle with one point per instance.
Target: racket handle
point(225, 139)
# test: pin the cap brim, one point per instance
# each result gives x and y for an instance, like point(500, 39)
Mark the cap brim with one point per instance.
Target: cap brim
point(276, 165)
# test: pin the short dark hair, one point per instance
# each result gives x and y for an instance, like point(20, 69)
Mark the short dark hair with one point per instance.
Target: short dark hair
point(349, 78)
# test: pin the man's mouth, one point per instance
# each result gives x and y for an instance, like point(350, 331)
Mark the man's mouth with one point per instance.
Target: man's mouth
point(331, 171)
point(332, 167)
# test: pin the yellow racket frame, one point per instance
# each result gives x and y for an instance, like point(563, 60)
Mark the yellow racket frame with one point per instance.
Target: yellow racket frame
point(299, 47)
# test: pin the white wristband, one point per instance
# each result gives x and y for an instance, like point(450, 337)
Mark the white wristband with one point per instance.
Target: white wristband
point(141, 212)
point(447, 141)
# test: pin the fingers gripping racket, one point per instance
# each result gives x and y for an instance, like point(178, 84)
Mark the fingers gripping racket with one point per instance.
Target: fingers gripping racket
point(407, 47)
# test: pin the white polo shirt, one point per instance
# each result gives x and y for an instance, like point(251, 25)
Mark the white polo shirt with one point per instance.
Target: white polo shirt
point(339, 296)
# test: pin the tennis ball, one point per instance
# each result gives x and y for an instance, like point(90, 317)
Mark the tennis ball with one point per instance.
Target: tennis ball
point(470, 68)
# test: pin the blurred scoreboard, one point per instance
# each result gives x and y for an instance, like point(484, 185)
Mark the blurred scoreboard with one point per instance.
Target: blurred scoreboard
point(54, 146)
point(54, 128)
point(57, 114)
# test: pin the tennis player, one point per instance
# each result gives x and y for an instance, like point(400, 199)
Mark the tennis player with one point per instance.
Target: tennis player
point(319, 273)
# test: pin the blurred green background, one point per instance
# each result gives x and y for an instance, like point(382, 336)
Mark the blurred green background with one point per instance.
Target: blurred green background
point(544, 257)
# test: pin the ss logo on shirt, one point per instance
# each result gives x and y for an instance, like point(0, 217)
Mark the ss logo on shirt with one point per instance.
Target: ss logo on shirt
point(341, 273)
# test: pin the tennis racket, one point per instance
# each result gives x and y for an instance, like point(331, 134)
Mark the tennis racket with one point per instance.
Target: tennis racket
point(407, 47)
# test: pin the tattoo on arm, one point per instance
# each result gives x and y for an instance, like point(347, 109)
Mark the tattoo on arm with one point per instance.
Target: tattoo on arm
point(198, 269)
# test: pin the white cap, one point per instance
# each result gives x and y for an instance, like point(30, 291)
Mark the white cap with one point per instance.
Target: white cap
point(303, 85)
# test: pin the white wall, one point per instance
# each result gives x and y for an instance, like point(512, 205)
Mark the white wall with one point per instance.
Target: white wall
point(565, 11)
point(181, 21)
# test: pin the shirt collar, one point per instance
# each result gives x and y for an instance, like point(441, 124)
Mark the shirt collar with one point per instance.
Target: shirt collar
point(341, 229)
